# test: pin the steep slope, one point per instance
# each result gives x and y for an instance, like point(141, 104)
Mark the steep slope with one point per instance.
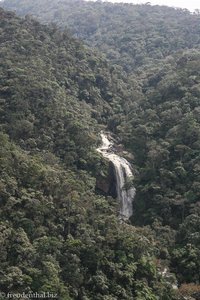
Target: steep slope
point(130, 35)
point(53, 89)
point(56, 235)
point(154, 109)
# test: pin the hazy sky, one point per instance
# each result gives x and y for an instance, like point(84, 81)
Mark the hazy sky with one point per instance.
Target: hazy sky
point(189, 4)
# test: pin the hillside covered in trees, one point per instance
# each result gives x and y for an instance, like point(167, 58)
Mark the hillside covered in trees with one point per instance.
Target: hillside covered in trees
point(129, 35)
point(137, 74)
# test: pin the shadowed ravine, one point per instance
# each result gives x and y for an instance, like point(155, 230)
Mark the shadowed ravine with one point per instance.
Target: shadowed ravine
point(123, 174)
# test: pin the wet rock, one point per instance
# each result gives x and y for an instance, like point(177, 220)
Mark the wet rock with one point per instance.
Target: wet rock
point(106, 184)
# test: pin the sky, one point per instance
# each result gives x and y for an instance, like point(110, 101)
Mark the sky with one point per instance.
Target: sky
point(189, 4)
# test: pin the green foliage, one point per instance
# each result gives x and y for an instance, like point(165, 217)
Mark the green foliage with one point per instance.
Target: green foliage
point(55, 95)
point(129, 35)
point(57, 235)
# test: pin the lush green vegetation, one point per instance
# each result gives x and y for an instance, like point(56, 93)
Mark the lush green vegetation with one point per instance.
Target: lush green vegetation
point(57, 235)
point(56, 94)
point(129, 35)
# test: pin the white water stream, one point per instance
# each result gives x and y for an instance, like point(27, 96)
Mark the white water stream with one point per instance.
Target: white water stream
point(126, 195)
point(123, 173)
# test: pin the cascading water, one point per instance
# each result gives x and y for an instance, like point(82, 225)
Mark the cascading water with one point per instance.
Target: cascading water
point(123, 173)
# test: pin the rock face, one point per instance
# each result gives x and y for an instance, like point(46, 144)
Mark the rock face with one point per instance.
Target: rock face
point(106, 185)
point(123, 176)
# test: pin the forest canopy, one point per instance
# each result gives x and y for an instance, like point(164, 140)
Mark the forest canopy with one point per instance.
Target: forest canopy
point(133, 70)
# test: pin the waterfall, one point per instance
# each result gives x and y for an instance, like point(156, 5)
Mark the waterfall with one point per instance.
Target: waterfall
point(123, 173)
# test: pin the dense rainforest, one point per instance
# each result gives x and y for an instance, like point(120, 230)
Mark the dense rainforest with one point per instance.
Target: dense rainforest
point(133, 70)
